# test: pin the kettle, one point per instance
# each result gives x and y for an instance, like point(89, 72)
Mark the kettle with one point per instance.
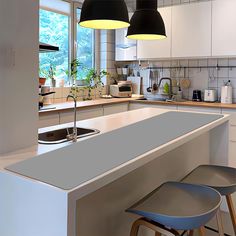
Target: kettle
point(227, 93)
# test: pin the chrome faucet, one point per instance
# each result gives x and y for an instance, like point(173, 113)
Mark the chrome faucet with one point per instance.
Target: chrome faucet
point(170, 90)
point(73, 136)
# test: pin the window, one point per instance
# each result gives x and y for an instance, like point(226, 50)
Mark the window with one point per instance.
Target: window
point(54, 30)
point(85, 46)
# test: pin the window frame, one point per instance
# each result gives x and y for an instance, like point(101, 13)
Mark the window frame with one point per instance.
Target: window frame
point(77, 5)
point(69, 23)
point(73, 33)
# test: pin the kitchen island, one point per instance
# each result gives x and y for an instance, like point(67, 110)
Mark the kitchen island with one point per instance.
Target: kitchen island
point(84, 188)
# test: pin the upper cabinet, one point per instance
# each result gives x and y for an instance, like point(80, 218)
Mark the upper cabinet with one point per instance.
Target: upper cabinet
point(157, 48)
point(223, 28)
point(194, 30)
point(126, 49)
point(191, 30)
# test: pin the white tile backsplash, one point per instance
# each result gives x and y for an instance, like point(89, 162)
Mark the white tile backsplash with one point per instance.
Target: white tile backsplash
point(201, 78)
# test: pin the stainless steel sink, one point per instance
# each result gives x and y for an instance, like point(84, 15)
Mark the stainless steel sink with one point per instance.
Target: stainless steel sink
point(60, 135)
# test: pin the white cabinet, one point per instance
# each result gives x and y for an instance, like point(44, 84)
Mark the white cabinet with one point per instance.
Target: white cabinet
point(157, 48)
point(191, 30)
point(200, 109)
point(82, 114)
point(232, 136)
point(117, 108)
point(126, 49)
point(46, 120)
point(223, 28)
point(135, 106)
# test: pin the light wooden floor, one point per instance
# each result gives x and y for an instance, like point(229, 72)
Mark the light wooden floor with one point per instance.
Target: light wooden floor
point(227, 226)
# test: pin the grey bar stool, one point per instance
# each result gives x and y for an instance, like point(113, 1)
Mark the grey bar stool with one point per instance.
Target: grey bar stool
point(221, 178)
point(176, 206)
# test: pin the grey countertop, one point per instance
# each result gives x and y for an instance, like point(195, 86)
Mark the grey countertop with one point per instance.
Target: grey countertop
point(73, 165)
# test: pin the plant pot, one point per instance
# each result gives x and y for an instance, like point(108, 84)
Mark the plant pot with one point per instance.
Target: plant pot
point(81, 83)
point(42, 81)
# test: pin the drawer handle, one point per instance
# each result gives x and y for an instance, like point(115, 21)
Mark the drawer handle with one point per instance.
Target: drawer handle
point(232, 141)
point(233, 125)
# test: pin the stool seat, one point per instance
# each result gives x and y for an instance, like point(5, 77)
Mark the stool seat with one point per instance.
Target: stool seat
point(179, 206)
point(221, 178)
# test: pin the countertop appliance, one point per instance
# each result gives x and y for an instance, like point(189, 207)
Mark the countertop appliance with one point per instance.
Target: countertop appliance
point(210, 95)
point(197, 96)
point(227, 93)
point(43, 92)
point(121, 90)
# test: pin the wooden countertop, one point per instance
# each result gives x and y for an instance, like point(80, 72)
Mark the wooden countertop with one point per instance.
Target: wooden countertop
point(188, 103)
point(83, 104)
point(58, 107)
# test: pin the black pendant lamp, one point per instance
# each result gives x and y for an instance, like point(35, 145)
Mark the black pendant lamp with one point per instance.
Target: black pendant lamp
point(146, 22)
point(104, 14)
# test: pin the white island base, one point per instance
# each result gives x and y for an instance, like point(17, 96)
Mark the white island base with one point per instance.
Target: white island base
point(30, 207)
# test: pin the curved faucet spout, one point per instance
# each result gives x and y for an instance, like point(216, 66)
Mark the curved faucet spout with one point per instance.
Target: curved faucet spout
point(73, 137)
point(171, 87)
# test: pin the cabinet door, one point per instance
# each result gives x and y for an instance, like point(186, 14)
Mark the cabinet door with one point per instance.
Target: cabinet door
point(90, 113)
point(112, 109)
point(82, 114)
point(191, 30)
point(200, 109)
point(232, 136)
point(135, 106)
point(46, 120)
point(223, 28)
point(157, 48)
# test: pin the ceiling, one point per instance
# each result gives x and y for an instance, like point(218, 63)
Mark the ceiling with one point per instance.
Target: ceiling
point(131, 4)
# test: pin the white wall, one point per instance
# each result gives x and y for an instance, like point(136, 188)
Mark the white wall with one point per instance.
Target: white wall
point(19, 73)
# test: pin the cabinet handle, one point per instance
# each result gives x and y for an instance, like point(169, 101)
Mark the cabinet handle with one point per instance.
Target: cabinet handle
point(233, 125)
point(232, 141)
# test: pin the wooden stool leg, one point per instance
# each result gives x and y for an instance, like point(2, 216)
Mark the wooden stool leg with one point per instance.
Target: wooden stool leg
point(219, 223)
point(201, 231)
point(158, 229)
point(134, 229)
point(231, 211)
point(191, 232)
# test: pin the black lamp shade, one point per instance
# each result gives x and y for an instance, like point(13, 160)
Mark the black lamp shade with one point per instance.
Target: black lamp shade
point(104, 14)
point(146, 23)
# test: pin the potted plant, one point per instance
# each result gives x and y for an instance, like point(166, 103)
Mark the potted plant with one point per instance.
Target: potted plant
point(94, 81)
point(48, 74)
point(42, 77)
point(72, 73)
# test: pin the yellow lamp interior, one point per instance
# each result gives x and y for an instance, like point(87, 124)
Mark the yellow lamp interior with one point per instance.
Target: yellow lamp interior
point(146, 36)
point(104, 24)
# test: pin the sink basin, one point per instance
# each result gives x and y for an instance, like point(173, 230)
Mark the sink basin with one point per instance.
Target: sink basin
point(59, 136)
point(153, 99)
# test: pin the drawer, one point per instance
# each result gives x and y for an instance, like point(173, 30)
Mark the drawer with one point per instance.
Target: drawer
point(135, 106)
point(232, 154)
point(82, 114)
point(46, 120)
point(232, 133)
point(113, 109)
point(89, 113)
point(232, 114)
point(200, 109)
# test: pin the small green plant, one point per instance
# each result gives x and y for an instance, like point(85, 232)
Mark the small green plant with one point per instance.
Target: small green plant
point(72, 73)
point(94, 81)
point(49, 74)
